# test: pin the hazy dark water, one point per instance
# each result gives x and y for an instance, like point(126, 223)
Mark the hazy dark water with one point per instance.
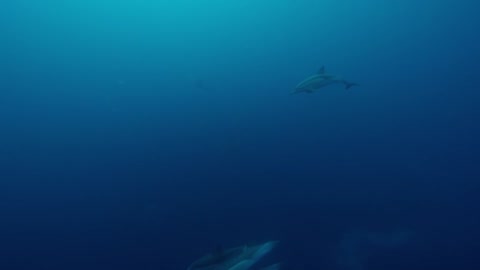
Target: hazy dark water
point(143, 134)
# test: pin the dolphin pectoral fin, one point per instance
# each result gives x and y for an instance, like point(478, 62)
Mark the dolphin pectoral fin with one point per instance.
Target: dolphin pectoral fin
point(321, 70)
point(348, 85)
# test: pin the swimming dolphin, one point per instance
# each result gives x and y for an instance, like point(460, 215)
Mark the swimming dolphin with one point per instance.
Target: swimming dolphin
point(319, 80)
point(238, 258)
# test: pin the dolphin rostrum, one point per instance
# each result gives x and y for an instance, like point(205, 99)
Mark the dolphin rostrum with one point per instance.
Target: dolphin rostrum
point(237, 258)
point(319, 80)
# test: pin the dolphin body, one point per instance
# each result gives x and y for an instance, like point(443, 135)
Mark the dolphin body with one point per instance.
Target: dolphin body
point(237, 258)
point(319, 80)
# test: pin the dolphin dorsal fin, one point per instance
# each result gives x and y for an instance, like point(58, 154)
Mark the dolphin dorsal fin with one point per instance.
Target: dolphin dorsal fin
point(321, 70)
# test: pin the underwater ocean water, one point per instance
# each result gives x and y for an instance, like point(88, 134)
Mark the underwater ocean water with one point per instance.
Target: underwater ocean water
point(145, 134)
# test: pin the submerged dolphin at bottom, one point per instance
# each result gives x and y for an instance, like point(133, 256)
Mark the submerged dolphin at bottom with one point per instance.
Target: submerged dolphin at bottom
point(237, 258)
point(319, 80)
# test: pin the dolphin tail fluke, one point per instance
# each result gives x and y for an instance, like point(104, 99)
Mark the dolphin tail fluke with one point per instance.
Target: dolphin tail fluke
point(348, 85)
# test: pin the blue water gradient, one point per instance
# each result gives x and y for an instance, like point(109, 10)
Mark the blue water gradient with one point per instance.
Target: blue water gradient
point(144, 134)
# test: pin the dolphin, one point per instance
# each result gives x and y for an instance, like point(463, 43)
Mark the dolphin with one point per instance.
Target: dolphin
point(319, 80)
point(237, 258)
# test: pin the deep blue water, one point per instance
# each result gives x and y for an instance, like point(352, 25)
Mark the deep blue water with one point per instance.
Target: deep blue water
point(143, 134)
